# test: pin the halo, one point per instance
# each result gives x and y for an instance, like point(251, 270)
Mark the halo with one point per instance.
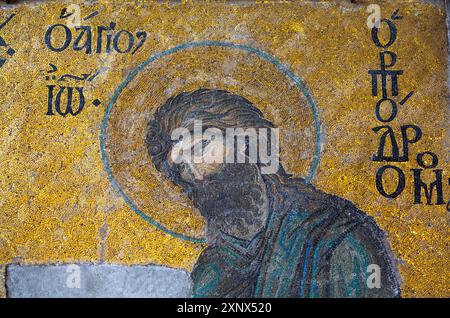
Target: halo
point(129, 168)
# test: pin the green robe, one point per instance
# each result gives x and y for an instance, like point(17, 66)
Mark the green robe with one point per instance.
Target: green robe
point(313, 245)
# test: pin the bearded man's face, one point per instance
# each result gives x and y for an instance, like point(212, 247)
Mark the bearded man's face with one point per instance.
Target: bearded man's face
point(231, 196)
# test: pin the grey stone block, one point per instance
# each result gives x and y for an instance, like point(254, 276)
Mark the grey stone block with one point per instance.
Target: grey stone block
point(92, 281)
point(2, 282)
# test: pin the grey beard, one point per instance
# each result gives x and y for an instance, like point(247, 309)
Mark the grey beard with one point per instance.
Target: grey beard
point(233, 200)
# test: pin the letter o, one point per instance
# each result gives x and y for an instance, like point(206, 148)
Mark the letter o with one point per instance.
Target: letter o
point(48, 38)
point(400, 183)
point(421, 162)
point(130, 41)
point(394, 110)
point(392, 34)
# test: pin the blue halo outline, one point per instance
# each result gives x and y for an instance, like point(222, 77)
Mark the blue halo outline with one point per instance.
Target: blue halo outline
point(189, 45)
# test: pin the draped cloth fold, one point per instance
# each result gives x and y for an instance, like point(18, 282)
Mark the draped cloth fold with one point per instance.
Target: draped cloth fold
point(313, 245)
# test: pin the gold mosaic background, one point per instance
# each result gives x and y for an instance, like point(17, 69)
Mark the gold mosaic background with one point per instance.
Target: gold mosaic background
point(57, 204)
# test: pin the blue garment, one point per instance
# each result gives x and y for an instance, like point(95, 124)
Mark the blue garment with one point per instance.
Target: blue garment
point(325, 252)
